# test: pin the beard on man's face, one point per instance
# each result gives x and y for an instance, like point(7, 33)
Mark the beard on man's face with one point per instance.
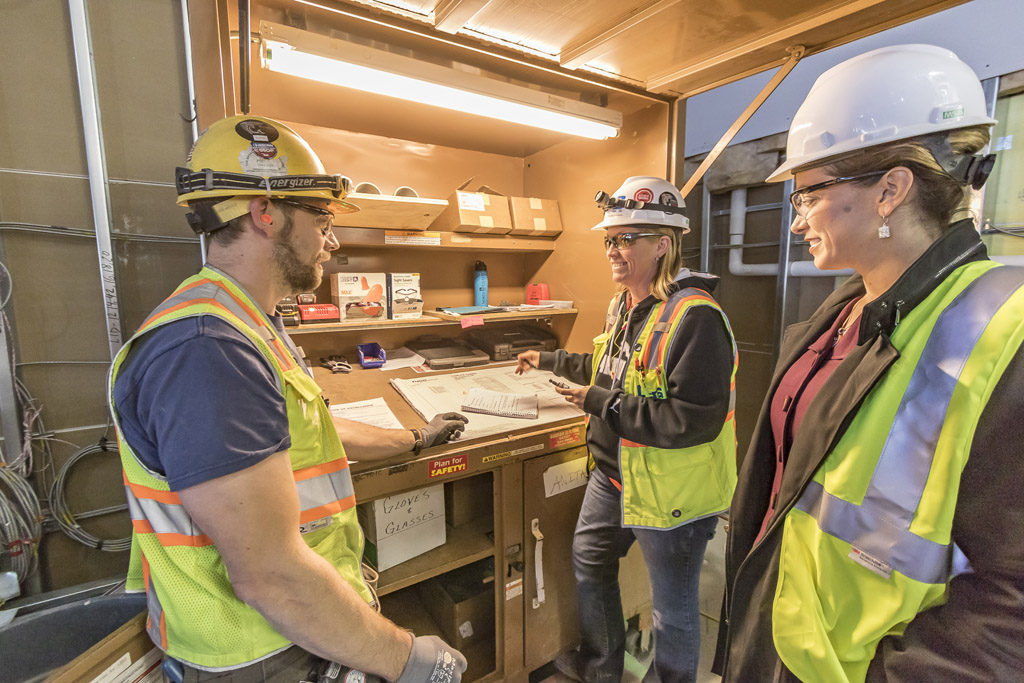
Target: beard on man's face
point(299, 275)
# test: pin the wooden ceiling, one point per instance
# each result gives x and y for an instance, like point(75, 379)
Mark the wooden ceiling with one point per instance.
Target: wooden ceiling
point(674, 47)
point(623, 54)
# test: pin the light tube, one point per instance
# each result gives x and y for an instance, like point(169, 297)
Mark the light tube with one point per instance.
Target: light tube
point(287, 59)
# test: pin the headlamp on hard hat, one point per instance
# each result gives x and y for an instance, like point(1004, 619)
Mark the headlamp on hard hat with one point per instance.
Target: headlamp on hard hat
point(606, 202)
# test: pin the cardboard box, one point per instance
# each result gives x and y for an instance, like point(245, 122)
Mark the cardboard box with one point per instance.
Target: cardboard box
point(467, 500)
point(359, 295)
point(484, 211)
point(404, 297)
point(534, 217)
point(462, 604)
point(403, 526)
point(125, 654)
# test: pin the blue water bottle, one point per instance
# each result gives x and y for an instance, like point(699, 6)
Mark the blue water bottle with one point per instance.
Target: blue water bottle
point(480, 284)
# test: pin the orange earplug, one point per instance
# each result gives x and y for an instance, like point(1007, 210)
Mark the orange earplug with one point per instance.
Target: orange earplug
point(266, 218)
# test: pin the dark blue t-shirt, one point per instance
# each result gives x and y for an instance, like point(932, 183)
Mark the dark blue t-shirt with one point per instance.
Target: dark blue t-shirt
point(197, 401)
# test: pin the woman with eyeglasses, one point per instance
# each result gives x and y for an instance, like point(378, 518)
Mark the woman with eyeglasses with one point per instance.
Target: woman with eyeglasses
point(877, 532)
point(657, 390)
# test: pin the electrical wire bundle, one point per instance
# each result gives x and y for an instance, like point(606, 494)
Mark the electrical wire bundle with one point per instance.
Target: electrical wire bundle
point(62, 513)
point(21, 524)
point(21, 516)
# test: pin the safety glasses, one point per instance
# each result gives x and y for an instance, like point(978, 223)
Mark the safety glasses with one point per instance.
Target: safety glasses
point(625, 240)
point(802, 202)
point(324, 220)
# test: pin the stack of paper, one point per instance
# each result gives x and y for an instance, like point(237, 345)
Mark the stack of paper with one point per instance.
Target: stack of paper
point(499, 403)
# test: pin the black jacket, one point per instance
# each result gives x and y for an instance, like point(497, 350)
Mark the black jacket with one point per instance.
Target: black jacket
point(979, 633)
point(698, 361)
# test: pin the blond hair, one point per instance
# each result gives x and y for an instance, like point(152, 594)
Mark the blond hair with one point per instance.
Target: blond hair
point(668, 265)
point(939, 196)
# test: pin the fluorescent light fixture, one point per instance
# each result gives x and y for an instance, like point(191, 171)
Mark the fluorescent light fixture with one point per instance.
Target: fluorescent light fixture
point(299, 53)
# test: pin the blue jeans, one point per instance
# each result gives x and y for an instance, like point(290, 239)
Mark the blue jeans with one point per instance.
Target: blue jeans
point(673, 558)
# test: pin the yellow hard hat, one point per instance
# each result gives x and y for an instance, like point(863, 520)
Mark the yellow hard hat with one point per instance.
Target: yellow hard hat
point(256, 156)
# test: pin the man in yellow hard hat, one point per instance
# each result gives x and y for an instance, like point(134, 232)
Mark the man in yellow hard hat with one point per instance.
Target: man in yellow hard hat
point(245, 533)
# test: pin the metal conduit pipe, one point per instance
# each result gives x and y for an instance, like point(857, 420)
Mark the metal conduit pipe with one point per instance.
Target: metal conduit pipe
point(737, 229)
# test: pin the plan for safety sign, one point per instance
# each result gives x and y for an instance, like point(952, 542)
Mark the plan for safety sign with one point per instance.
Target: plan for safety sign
point(433, 394)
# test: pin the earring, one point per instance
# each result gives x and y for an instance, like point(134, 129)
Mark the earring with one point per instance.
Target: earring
point(883, 229)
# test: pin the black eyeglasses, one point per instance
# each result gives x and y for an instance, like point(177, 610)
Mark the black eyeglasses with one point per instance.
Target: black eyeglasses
point(625, 240)
point(799, 198)
point(324, 218)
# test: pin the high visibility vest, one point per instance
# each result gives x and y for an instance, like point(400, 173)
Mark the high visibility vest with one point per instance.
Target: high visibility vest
point(194, 614)
point(665, 487)
point(868, 544)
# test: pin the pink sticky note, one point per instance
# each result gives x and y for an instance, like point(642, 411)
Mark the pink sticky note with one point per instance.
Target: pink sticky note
point(471, 320)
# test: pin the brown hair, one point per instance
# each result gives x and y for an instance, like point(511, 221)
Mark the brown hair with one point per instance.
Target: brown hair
point(939, 197)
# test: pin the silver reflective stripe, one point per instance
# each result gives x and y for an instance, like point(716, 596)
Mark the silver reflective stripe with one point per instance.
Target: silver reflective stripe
point(880, 525)
point(165, 518)
point(914, 557)
point(213, 291)
point(902, 470)
point(156, 612)
point(324, 489)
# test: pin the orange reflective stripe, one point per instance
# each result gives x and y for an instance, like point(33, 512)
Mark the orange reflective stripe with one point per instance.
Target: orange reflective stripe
point(615, 484)
point(197, 541)
point(140, 491)
point(632, 444)
point(317, 470)
point(255, 317)
point(163, 630)
point(665, 338)
point(332, 508)
point(730, 416)
point(142, 526)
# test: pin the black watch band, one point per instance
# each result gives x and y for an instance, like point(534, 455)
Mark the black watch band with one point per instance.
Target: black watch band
point(417, 445)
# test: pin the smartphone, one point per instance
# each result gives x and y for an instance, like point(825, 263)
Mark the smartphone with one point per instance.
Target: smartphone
point(560, 385)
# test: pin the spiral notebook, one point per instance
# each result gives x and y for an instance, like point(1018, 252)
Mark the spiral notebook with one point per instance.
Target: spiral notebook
point(499, 403)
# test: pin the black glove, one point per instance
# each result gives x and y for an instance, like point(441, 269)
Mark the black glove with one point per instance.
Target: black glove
point(441, 429)
point(431, 660)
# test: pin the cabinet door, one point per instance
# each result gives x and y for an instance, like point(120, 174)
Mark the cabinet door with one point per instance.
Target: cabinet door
point(553, 487)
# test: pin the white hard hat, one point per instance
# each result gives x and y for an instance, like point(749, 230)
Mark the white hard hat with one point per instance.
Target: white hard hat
point(643, 200)
point(892, 93)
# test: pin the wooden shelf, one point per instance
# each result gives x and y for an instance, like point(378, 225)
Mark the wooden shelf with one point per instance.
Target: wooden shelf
point(400, 213)
point(432, 319)
point(395, 237)
point(464, 545)
point(505, 315)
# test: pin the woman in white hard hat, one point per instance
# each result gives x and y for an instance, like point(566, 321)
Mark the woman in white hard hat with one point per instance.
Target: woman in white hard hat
point(877, 530)
point(657, 389)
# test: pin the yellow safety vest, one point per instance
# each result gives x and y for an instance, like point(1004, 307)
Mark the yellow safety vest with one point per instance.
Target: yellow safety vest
point(868, 544)
point(665, 487)
point(194, 614)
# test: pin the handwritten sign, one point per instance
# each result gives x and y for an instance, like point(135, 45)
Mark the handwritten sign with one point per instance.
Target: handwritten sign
point(471, 321)
point(565, 477)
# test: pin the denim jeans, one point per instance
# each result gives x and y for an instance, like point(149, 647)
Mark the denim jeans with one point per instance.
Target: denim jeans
point(673, 558)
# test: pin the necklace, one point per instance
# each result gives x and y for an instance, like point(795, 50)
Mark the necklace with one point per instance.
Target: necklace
point(848, 323)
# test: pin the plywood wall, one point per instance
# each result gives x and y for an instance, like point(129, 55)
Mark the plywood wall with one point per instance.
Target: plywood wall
point(56, 304)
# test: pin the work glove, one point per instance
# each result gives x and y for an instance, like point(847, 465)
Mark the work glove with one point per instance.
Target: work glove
point(431, 660)
point(443, 428)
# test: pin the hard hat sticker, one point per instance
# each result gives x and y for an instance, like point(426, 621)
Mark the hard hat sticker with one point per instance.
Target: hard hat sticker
point(255, 130)
point(643, 195)
point(667, 199)
point(254, 163)
point(264, 149)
